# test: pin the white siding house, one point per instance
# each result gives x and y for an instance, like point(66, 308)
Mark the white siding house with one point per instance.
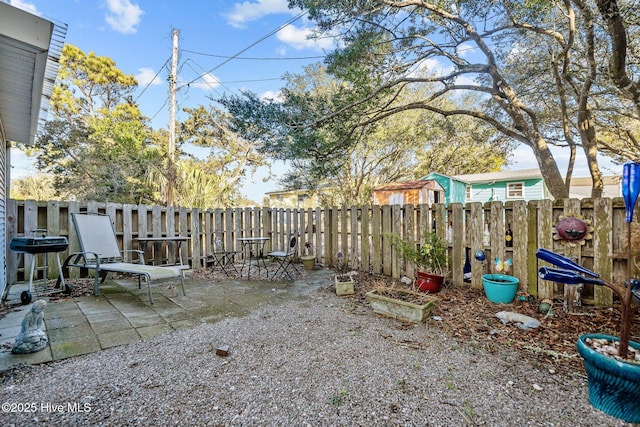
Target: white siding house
point(30, 48)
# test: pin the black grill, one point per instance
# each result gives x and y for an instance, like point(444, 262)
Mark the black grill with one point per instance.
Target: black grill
point(38, 245)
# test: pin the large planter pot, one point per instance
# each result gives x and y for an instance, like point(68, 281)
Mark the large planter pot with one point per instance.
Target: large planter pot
point(614, 386)
point(344, 284)
point(308, 261)
point(428, 282)
point(402, 305)
point(500, 288)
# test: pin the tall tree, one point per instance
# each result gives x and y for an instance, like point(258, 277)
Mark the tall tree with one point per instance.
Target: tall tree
point(480, 47)
point(88, 84)
point(623, 25)
point(105, 159)
point(404, 146)
point(98, 145)
point(33, 187)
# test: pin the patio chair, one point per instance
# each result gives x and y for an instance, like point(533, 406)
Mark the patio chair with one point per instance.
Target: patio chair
point(285, 259)
point(220, 258)
point(100, 253)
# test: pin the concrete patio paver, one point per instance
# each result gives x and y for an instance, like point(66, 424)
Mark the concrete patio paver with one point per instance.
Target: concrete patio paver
point(122, 314)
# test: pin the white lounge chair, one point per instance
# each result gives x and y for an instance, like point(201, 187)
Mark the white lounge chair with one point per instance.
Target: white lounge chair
point(100, 252)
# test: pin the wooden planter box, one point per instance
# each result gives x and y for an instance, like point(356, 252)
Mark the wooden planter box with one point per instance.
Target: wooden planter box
point(404, 305)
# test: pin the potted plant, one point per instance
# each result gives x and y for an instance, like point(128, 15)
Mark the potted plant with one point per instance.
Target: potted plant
point(345, 284)
point(612, 363)
point(309, 258)
point(402, 304)
point(613, 377)
point(429, 259)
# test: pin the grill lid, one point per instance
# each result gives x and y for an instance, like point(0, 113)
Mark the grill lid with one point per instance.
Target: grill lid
point(36, 245)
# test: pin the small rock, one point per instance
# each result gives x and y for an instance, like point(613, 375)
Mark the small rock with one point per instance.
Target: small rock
point(222, 351)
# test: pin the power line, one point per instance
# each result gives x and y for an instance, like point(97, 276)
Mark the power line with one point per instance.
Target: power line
point(152, 80)
point(289, 22)
point(187, 63)
point(253, 81)
point(251, 58)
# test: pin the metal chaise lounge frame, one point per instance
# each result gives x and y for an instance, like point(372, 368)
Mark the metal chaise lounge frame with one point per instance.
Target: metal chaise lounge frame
point(100, 253)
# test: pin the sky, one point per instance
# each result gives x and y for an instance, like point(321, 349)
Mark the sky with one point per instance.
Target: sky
point(225, 47)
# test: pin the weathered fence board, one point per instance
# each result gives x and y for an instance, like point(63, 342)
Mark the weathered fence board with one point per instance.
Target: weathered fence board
point(476, 228)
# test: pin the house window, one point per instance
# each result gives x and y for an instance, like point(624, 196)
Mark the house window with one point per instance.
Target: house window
point(468, 192)
point(515, 190)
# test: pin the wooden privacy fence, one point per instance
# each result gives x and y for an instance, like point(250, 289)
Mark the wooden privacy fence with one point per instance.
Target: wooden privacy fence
point(360, 234)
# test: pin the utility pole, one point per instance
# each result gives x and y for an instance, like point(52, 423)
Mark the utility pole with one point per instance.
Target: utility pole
point(173, 79)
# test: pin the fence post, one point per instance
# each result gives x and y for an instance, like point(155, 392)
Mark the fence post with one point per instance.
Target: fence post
point(365, 237)
point(476, 228)
point(387, 252)
point(403, 218)
point(457, 244)
point(545, 240)
point(602, 240)
point(356, 253)
point(376, 239)
point(519, 221)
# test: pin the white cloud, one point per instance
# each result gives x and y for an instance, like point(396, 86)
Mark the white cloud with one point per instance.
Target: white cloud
point(146, 76)
point(435, 68)
point(431, 67)
point(465, 50)
point(248, 11)
point(273, 96)
point(29, 7)
point(523, 158)
point(21, 164)
point(123, 16)
point(207, 82)
point(298, 38)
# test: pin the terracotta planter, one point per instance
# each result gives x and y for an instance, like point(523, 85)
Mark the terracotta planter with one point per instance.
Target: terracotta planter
point(399, 305)
point(428, 282)
point(614, 385)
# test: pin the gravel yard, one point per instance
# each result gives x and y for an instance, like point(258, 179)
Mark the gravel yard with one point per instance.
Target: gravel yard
point(320, 361)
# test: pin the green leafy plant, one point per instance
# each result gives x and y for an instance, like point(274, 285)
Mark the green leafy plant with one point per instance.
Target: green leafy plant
point(430, 256)
point(338, 398)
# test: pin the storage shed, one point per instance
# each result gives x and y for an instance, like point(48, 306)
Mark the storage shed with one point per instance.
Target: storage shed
point(410, 192)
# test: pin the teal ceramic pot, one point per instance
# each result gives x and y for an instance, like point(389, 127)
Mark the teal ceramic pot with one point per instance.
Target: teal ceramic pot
point(614, 386)
point(500, 288)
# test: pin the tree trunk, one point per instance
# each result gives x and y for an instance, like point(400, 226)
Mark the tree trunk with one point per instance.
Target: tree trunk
point(617, 62)
point(549, 168)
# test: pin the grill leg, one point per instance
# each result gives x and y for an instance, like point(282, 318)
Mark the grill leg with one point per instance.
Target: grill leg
point(33, 266)
point(60, 275)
